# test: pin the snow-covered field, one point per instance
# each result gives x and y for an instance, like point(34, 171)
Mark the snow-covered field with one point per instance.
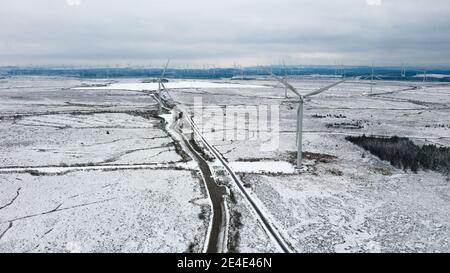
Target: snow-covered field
point(170, 85)
point(106, 138)
point(94, 174)
point(98, 211)
point(94, 170)
point(353, 202)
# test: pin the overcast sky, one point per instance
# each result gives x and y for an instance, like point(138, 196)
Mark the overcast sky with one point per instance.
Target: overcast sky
point(223, 32)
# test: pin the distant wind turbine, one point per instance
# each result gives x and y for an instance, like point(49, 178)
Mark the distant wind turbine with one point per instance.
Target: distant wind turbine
point(300, 110)
point(371, 80)
point(403, 72)
point(161, 87)
point(285, 78)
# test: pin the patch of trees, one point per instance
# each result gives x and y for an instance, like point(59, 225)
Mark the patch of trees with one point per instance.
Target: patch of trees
point(358, 124)
point(438, 126)
point(328, 116)
point(402, 153)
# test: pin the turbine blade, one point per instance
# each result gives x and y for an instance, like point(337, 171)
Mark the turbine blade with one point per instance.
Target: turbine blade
point(323, 89)
point(283, 82)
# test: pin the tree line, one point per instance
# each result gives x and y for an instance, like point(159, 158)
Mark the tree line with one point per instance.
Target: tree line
point(402, 153)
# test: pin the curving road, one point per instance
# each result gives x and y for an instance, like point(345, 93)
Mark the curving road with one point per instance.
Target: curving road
point(268, 225)
point(217, 230)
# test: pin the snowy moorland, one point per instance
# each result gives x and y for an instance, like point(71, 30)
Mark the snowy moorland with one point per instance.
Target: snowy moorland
point(348, 200)
point(89, 166)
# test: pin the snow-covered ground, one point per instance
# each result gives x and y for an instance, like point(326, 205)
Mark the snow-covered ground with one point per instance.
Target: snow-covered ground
point(101, 211)
point(351, 202)
point(106, 138)
point(21, 95)
point(128, 187)
point(275, 167)
point(87, 171)
point(170, 85)
point(437, 76)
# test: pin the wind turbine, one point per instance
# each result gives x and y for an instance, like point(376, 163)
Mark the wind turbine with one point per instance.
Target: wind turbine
point(300, 110)
point(285, 78)
point(403, 72)
point(371, 80)
point(242, 71)
point(161, 87)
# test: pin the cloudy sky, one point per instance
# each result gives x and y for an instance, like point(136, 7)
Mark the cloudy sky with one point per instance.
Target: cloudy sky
point(223, 32)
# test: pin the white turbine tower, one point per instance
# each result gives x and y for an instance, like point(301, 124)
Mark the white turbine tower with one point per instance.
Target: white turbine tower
point(371, 80)
point(300, 110)
point(285, 78)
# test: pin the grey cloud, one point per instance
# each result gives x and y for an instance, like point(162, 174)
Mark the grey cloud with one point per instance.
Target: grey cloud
point(223, 32)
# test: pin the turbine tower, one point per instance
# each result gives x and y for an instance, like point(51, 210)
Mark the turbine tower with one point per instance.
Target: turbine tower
point(285, 78)
point(300, 110)
point(371, 80)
